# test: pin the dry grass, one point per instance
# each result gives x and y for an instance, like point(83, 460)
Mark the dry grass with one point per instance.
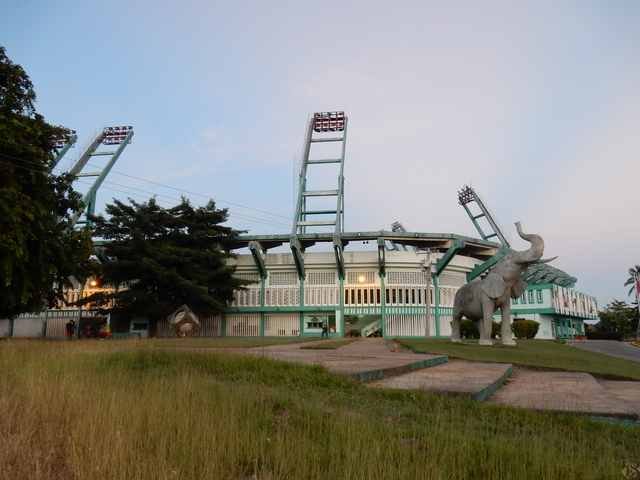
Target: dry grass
point(82, 410)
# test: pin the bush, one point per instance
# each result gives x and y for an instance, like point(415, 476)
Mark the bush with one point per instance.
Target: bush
point(596, 335)
point(525, 328)
point(495, 329)
point(469, 329)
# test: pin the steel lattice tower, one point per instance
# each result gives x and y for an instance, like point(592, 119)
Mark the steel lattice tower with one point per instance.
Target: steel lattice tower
point(110, 136)
point(324, 127)
point(467, 196)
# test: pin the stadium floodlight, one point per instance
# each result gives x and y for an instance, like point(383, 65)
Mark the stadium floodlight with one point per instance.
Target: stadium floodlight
point(61, 140)
point(116, 135)
point(328, 122)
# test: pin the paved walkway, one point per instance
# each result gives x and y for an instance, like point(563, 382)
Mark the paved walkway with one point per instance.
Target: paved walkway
point(475, 379)
point(365, 359)
point(385, 365)
point(611, 347)
point(569, 392)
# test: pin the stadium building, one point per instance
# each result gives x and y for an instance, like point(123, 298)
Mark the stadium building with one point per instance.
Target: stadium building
point(391, 283)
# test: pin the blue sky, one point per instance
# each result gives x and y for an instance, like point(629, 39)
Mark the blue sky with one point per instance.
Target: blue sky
point(536, 104)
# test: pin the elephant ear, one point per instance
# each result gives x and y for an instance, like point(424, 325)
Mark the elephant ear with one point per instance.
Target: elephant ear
point(518, 288)
point(493, 285)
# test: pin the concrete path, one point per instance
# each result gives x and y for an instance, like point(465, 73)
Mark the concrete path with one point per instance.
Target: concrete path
point(366, 359)
point(629, 392)
point(611, 347)
point(567, 392)
point(475, 379)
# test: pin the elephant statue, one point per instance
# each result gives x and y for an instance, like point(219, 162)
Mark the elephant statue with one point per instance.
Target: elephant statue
point(479, 299)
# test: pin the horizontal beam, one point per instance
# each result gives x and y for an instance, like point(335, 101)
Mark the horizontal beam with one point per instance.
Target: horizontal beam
point(100, 154)
point(328, 139)
point(320, 212)
point(316, 223)
point(320, 193)
point(325, 160)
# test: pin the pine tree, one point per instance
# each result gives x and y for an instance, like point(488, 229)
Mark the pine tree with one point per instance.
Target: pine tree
point(157, 259)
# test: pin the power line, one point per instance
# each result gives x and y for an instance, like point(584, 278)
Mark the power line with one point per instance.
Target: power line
point(194, 193)
point(167, 186)
point(128, 191)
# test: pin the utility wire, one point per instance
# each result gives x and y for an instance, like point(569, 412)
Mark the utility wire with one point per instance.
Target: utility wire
point(42, 168)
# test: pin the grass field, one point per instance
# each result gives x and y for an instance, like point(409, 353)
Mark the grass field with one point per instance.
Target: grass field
point(533, 353)
point(118, 410)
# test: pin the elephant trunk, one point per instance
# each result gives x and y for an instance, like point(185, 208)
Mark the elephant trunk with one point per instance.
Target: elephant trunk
point(532, 254)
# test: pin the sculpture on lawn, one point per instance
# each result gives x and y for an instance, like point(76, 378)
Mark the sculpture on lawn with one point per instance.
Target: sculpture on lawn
point(479, 299)
point(184, 322)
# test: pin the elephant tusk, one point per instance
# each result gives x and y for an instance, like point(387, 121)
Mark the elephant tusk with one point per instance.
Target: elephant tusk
point(546, 260)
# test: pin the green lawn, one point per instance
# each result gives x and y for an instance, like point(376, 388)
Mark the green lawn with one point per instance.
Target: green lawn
point(329, 344)
point(82, 410)
point(533, 353)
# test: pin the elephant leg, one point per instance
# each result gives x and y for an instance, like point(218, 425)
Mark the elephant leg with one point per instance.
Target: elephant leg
point(485, 324)
point(455, 327)
point(505, 329)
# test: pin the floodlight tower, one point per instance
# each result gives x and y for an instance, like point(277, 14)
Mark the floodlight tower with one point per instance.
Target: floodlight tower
point(467, 196)
point(62, 145)
point(111, 136)
point(323, 127)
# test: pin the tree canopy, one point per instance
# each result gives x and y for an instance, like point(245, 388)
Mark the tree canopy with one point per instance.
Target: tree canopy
point(39, 251)
point(158, 259)
point(618, 317)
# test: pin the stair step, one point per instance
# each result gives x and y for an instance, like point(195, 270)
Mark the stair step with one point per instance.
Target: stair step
point(328, 139)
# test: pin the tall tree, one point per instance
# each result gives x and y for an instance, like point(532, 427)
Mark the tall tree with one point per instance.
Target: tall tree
point(634, 282)
point(39, 251)
point(158, 259)
point(618, 317)
point(634, 276)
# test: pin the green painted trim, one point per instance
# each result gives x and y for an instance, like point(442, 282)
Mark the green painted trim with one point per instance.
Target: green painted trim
point(444, 261)
point(262, 314)
point(540, 286)
point(341, 306)
point(383, 303)
point(301, 315)
point(436, 302)
point(283, 309)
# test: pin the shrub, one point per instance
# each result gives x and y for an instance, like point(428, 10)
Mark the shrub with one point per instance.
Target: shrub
point(596, 335)
point(469, 329)
point(495, 329)
point(525, 328)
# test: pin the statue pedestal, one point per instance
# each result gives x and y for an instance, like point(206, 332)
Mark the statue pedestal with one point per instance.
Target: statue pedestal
point(485, 342)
